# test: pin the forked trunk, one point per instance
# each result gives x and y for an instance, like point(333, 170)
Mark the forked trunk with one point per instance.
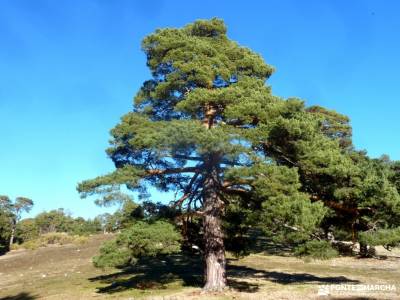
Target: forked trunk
point(214, 250)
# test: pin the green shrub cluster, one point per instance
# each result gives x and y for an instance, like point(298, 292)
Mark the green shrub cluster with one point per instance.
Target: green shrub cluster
point(52, 238)
point(387, 237)
point(316, 249)
point(139, 240)
point(52, 223)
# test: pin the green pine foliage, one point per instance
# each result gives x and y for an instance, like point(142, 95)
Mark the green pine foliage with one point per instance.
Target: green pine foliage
point(60, 221)
point(10, 212)
point(166, 142)
point(316, 249)
point(394, 176)
point(367, 201)
point(56, 220)
point(388, 238)
point(141, 239)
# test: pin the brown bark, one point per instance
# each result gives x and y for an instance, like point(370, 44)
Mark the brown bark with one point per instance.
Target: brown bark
point(214, 249)
point(209, 114)
point(363, 250)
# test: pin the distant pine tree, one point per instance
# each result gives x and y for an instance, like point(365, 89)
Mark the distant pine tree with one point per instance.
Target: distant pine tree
point(13, 211)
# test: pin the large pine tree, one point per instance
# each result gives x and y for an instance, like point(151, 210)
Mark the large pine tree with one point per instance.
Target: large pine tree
point(208, 128)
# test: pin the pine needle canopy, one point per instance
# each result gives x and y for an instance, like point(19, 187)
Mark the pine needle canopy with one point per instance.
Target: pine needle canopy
point(208, 107)
point(199, 75)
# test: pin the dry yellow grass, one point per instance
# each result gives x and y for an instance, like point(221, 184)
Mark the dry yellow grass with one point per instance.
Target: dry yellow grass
point(66, 272)
point(52, 238)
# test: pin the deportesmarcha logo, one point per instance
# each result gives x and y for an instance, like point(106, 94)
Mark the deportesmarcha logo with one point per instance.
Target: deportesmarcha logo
point(325, 290)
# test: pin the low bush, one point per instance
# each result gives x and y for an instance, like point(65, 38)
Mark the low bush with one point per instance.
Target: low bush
point(140, 240)
point(53, 238)
point(388, 238)
point(316, 249)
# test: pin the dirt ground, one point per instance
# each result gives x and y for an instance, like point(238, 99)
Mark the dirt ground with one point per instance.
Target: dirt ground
point(66, 272)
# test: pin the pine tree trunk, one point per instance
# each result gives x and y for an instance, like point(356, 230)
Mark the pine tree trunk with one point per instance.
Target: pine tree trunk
point(12, 236)
point(364, 250)
point(214, 249)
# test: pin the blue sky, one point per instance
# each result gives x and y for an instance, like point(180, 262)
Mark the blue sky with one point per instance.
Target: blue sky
point(69, 70)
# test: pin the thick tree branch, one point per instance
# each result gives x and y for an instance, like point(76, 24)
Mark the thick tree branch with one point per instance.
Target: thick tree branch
point(240, 123)
point(228, 183)
point(185, 157)
point(196, 158)
point(173, 171)
point(181, 199)
point(342, 207)
point(237, 191)
point(188, 191)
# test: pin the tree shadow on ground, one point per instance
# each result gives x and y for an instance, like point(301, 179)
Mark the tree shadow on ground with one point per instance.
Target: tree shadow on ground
point(153, 273)
point(20, 296)
point(158, 273)
point(263, 244)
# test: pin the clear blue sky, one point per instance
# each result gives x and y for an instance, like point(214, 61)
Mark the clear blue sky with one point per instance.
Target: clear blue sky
point(69, 70)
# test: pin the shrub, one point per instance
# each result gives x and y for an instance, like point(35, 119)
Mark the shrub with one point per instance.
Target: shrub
point(113, 255)
point(140, 240)
point(385, 237)
point(316, 249)
point(53, 238)
point(29, 245)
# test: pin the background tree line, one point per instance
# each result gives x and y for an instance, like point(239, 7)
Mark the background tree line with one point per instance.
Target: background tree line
point(14, 230)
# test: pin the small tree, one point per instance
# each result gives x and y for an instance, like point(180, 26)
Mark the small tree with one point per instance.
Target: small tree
point(15, 209)
point(111, 222)
point(127, 213)
point(56, 220)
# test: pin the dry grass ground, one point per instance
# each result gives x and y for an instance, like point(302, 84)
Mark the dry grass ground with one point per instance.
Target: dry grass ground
point(66, 272)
